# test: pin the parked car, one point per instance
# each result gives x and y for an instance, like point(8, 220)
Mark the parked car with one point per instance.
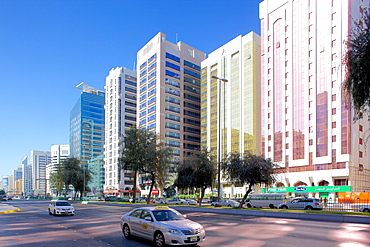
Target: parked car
point(4, 198)
point(191, 202)
point(365, 209)
point(139, 199)
point(61, 207)
point(163, 225)
point(159, 200)
point(176, 201)
point(302, 203)
point(225, 203)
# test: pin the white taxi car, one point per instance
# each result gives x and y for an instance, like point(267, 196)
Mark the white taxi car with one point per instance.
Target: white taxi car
point(61, 207)
point(163, 225)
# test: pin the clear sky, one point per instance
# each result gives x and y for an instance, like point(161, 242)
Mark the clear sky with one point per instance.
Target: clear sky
point(47, 47)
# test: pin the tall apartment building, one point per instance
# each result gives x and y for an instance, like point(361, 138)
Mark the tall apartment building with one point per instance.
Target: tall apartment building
point(307, 128)
point(59, 153)
point(26, 177)
point(230, 105)
point(120, 114)
point(87, 134)
point(38, 162)
point(169, 93)
point(17, 176)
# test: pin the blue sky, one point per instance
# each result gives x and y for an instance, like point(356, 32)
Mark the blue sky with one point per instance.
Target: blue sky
point(47, 47)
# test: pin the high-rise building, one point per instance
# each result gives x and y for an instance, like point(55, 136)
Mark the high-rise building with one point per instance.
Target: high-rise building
point(307, 128)
point(120, 114)
point(230, 94)
point(26, 177)
point(87, 134)
point(59, 153)
point(169, 93)
point(38, 162)
point(17, 175)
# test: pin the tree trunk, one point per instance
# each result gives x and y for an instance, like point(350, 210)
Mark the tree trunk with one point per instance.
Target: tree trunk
point(134, 188)
point(201, 190)
point(245, 196)
point(151, 188)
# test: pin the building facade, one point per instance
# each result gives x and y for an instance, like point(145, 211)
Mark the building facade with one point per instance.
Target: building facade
point(230, 105)
point(169, 93)
point(26, 177)
point(17, 176)
point(59, 153)
point(38, 163)
point(87, 134)
point(306, 127)
point(120, 114)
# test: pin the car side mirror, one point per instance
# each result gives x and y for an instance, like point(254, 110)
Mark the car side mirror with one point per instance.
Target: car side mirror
point(148, 218)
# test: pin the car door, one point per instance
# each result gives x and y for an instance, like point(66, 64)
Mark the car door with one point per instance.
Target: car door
point(134, 221)
point(294, 204)
point(146, 227)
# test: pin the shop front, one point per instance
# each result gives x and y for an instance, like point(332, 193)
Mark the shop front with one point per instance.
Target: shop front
point(329, 193)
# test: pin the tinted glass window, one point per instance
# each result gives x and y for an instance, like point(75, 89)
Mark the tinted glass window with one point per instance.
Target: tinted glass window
point(136, 213)
point(145, 213)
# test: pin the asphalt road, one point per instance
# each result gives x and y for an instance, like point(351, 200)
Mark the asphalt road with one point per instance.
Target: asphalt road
point(98, 225)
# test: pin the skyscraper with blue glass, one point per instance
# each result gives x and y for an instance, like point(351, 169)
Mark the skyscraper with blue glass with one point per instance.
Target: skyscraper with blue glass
point(87, 134)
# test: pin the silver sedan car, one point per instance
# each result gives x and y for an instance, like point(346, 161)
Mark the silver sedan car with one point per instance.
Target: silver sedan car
point(162, 225)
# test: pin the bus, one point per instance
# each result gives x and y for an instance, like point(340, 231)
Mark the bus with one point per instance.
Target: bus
point(266, 200)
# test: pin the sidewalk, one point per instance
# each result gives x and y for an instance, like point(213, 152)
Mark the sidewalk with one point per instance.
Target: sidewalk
point(6, 208)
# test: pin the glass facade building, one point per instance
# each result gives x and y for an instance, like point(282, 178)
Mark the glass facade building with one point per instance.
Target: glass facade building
point(87, 120)
point(230, 105)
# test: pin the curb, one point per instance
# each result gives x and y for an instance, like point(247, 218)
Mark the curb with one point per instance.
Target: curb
point(10, 211)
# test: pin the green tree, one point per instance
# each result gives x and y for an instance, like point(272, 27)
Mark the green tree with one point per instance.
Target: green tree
point(56, 180)
point(137, 145)
point(76, 175)
point(158, 162)
point(357, 63)
point(197, 171)
point(248, 169)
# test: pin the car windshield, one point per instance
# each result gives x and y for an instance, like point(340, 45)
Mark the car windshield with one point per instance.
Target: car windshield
point(167, 215)
point(62, 204)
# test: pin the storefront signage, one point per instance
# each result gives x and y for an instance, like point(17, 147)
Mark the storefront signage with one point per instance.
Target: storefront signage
point(307, 189)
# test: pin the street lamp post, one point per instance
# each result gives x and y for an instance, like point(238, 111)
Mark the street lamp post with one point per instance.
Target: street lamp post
point(219, 137)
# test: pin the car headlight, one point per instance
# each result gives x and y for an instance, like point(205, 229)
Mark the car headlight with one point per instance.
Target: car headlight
point(174, 231)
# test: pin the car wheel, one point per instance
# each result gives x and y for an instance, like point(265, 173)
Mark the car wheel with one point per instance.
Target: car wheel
point(284, 207)
point(49, 212)
point(159, 239)
point(308, 208)
point(271, 206)
point(366, 210)
point(55, 213)
point(249, 206)
point(126, 231)
point(229, 205)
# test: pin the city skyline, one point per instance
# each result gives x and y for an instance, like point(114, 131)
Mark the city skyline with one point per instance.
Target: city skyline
point(51, 47)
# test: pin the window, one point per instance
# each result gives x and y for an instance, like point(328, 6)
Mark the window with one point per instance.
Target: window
point(333, 125)
point(334, 138)
point(360, 128)
point(360, 154)
point(172, 57)
point(360, 141)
